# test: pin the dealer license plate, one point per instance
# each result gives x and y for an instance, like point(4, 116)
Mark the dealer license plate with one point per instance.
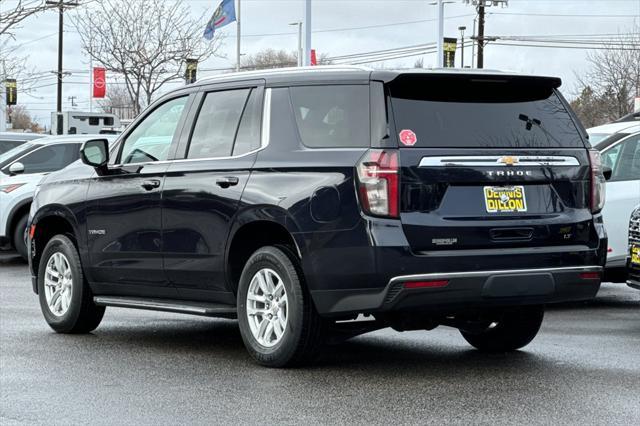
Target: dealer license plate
point(505, 199)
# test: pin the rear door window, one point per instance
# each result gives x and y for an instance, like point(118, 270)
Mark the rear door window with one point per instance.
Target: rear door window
point(463, 113)
point(217, 123)
point(332, 116)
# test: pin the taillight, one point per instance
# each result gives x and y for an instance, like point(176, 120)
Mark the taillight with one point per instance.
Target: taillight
point(598, 182)
point(379, 183)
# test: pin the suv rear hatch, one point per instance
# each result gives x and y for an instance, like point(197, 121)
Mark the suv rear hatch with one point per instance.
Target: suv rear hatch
point(489, 161)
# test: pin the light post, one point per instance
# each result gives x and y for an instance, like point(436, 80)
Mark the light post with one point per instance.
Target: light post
point(300, 52)
point(440, 41)
point(461, 29)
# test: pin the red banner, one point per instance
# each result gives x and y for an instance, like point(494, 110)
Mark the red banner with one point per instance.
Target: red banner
point(314, 59)
point(99, 83)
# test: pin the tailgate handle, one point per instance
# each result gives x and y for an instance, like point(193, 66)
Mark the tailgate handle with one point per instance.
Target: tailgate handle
point(511, 234)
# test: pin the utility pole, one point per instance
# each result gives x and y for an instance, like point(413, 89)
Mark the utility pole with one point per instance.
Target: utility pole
point(481, 34)
point(307, 34)
point(61, 5)
point(73, 101)
point(481, 39)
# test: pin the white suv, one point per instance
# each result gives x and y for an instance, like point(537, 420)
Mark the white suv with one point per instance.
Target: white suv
point(621, 152)
point(21, 169)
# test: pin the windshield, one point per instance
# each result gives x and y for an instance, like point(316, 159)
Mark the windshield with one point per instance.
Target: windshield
point(15, 152)
point(472, 114)
point(596, 138)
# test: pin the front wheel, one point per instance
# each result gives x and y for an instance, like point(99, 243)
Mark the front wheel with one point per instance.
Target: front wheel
point(278, 322)
point(512, 330)
point(66, 300)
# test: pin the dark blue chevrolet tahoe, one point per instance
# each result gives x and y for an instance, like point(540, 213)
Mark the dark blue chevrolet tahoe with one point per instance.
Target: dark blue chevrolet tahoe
point(314, 205)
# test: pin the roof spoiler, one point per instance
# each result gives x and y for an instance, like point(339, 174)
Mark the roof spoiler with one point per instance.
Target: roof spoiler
point(475, 76)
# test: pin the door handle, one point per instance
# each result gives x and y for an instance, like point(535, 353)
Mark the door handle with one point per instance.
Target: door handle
point(150, 184)
point(225, 182)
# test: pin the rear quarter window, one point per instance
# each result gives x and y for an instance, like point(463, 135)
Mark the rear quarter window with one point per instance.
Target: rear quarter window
point(332, 116)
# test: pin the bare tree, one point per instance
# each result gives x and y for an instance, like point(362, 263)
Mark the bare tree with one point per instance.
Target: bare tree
point(271, 58)
point(613, 80)
point(118, 102)
point(11, 17)
point(20, 118)
point(145, 42)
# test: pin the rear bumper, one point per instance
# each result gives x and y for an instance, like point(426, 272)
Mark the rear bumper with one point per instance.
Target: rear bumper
point(467, 290)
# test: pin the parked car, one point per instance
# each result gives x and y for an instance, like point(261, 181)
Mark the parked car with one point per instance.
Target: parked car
point(633, 261)
point(295, 200)
point(21, 168)
point(611, 132)
point(10, 140)
point(622, 156)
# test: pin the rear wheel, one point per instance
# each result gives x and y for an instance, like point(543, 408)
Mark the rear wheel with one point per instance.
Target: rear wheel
point(278, 322)
point(18, 237)
point(513, 329)
point(66, 300)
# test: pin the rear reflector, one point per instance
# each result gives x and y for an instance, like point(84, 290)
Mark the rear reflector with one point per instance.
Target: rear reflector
point(590, 276)
point(32, 231)
point(426, 284)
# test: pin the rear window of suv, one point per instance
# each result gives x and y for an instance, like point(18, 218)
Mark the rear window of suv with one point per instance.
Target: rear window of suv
point(463, 112)
point(332, 116)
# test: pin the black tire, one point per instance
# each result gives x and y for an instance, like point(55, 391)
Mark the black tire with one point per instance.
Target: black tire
point(513, 330)
point(18, 237)
point(302, 338)
point(82, 315)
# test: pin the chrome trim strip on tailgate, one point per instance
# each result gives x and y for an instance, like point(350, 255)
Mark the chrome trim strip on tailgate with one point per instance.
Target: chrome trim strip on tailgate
point(499, 161)
point(472, 274)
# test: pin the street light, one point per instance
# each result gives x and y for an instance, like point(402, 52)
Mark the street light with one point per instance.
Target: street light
point(299, 24)
point(461, 29)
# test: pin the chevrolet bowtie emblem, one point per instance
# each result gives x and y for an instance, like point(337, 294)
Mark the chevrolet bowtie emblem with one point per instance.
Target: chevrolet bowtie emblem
point(508, 160)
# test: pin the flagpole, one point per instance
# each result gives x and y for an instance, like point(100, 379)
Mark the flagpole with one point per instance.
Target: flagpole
point(238, 37)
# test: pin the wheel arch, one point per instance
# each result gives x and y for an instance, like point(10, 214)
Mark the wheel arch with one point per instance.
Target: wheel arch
point(14, 216)
point(254, 229)
point(49, 221)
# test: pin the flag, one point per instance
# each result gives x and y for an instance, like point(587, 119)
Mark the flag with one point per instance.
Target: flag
point(224, 15)
point(99, 82)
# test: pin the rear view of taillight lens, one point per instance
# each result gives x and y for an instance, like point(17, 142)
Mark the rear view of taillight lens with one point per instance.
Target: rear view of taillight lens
point(378, 182)
point(598, 182)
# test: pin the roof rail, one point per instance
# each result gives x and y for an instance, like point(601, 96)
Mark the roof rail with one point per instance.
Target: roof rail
point(287, 70)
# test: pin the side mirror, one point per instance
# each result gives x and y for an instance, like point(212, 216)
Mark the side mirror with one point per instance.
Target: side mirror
point(95, 153)
point(16, 168)
point(607, 172)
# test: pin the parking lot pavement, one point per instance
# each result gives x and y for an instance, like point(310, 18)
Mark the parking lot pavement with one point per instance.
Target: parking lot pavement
point(155, 368)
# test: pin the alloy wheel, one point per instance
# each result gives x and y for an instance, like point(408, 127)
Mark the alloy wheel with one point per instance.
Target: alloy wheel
point(58, 284)
point(267, 307)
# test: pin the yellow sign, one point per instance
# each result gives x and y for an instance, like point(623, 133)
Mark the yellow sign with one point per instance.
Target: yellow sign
point(505, 199)
point(635, 255)
point(449, 51)
point(12, 91)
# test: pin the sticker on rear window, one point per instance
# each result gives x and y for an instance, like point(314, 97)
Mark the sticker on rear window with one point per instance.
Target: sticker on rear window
point(408, 137)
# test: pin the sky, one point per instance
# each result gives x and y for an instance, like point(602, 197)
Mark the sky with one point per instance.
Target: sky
point(389, 24)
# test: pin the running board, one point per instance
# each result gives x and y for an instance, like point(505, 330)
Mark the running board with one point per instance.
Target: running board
point(166, 305)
